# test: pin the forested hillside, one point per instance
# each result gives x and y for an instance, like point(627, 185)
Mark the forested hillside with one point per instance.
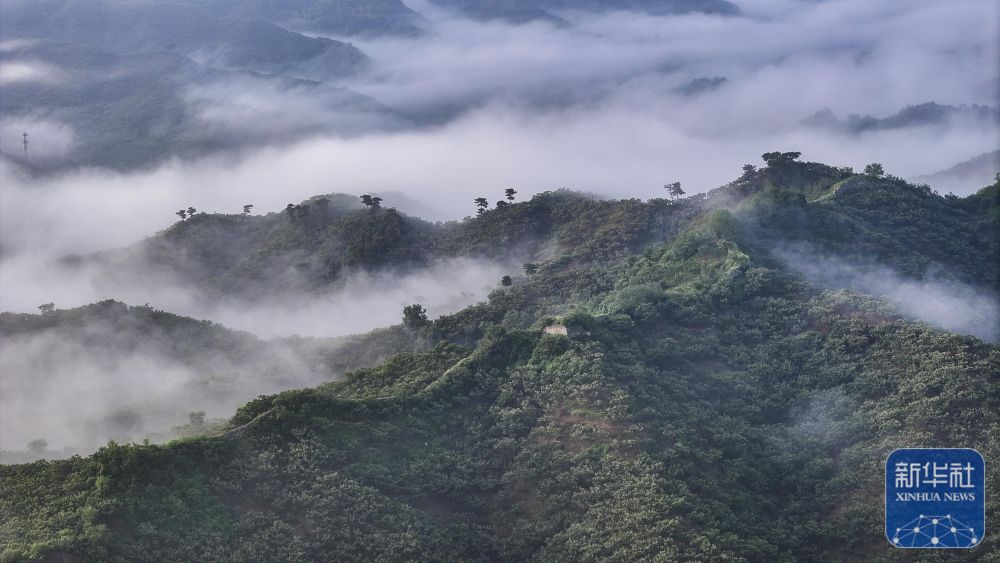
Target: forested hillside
point(313, 244)
point(666, 381)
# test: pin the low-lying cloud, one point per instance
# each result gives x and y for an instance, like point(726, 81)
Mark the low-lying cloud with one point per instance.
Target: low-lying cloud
point(51, 140)
point(365, 301)
point(359, 303)
point(12, 72)
point(942, 302)
point(78, 387)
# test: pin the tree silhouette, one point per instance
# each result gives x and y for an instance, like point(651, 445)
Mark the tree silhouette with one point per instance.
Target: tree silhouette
point(506, 281)
point(197, 418)
point(674, 190)
point(415, 316)
point(191, 211)
point(367, 200)
point(47, 308)
point(182, 214)
point(779, 159)
point(376, 202)
point(509, 193)
point(295, 212)
point(482, 205)
point(530, 269)
point(501, 204)
point(874, 170)
point(247, 208)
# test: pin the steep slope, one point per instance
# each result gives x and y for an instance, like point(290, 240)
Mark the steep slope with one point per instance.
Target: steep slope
point(882, 220)
point(704, 403)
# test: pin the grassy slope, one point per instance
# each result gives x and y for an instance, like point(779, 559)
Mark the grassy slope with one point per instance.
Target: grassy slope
point(706, 405)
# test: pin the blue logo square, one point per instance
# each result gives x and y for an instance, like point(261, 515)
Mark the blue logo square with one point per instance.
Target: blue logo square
point(935, 498)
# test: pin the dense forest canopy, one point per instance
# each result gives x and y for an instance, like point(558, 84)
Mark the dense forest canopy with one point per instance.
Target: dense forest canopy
point(710, 397)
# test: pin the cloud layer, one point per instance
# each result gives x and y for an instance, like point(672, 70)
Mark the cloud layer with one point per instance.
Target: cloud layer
point(944, 303)
point(472, 108)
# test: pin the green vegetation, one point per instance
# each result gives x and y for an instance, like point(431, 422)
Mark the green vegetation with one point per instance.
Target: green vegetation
point(314, 244)
point(414, 316)
point(705, 404)
point(674, 190)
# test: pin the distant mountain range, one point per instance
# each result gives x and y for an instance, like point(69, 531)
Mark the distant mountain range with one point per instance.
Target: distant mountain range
point(140, 107)
point(520, 11)
point(128, 77)
point(337, 17)
point(126, 84)
point(192, 18)
point(926, 114)
point(155, 26)
point(966, 176)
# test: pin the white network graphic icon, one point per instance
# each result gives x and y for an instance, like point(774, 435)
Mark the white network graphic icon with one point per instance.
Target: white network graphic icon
point(935, 531)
